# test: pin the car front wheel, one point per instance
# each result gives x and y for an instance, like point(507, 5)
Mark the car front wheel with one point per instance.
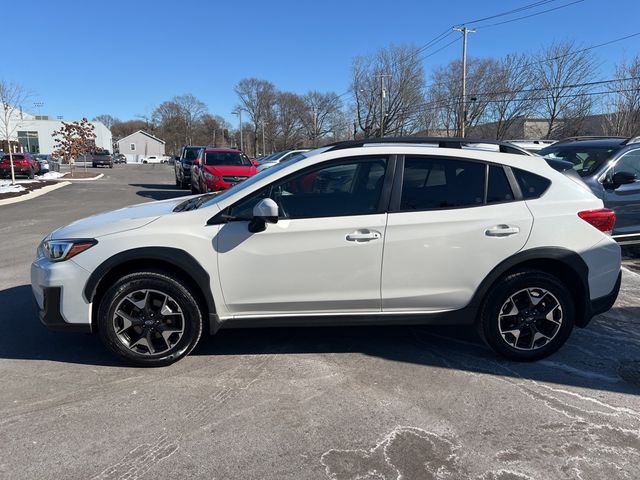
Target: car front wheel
point(149, 319)
point(527, 316)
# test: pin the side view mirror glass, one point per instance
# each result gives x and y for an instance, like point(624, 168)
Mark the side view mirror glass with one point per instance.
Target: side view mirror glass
point(265, 211)
point(623, 178)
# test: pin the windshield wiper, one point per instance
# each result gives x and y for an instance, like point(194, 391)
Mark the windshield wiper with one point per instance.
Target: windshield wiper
point(194, 203)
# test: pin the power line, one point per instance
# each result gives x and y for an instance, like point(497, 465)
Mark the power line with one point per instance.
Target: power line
point(530, 15)
point(516, 10)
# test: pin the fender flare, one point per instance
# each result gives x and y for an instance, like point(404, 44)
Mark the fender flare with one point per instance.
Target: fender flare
point(176, 257)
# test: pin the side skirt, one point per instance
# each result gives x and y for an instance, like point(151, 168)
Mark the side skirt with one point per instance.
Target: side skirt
point(464, 316)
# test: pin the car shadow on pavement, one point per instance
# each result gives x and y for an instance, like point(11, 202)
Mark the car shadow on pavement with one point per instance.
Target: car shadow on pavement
point(602, 356)
point(23, 337)
point(159, 191)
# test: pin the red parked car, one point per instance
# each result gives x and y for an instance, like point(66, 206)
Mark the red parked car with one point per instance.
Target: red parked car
point(217, 169)
point(23, 164)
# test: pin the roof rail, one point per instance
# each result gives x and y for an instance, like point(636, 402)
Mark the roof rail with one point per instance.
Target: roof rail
point(631, 140)
point(589, 137)
point(441, 142)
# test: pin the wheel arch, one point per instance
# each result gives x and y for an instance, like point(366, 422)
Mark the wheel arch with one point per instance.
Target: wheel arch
point(562, 263)
point(168, 259)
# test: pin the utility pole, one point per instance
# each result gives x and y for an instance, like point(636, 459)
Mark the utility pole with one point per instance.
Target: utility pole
point(382, 96)
point(239, 113)
point(463, 104)
point(315, 126)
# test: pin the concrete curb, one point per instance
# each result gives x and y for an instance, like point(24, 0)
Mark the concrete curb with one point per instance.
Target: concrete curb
point(71, 179)
point(34, 194)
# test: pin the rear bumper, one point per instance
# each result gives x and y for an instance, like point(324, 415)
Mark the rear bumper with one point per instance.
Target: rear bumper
point(604, 304)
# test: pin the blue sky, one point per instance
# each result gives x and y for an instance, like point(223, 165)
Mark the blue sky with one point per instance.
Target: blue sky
point(125, 57)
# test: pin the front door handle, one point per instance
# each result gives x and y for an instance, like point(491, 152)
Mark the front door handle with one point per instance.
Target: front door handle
point(501, 231)
point(363, 236)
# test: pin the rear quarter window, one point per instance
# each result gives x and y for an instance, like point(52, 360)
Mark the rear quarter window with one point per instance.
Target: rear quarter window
point(531, 185)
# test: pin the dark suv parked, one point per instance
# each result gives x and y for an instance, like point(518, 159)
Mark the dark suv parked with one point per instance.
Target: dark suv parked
point(610, 166)
point(182, 166)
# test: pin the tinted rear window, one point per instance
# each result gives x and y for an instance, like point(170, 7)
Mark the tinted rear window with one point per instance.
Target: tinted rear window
point(498, 188)
point(532, 185)
point(434, 183)
point(15, 157)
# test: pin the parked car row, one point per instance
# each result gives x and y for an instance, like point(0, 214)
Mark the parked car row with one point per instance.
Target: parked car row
point(216, 169)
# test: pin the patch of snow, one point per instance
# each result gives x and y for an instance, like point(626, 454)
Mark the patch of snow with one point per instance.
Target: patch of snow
point(50, 175)
point(6, 187)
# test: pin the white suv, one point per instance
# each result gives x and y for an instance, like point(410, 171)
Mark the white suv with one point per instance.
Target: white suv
point(390, 232)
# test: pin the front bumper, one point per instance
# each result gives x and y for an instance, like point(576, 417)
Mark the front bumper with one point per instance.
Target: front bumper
point(50, 314)
point(57, 292)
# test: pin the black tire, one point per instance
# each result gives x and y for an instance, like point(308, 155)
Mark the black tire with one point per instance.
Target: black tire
point(193, 188)
point(111, 165)
point(178, 183)
point(31, 173)
point(183, 185)
point(528, 322)
point(191, 320)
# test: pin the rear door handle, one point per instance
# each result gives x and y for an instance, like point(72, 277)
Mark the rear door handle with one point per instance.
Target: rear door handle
point(363, 236)
point(501, 231)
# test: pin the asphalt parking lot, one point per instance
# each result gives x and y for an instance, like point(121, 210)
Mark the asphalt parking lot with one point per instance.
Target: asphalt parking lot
point(341, 403)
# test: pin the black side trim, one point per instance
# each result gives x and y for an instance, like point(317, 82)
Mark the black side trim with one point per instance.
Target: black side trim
point(464, 316)
point(50, 314)
point(174, 256)
point(572, 262)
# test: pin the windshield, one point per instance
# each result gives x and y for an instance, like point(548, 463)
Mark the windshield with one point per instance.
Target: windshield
point(227, 158)
point(272, 157)
point(190, 154)
point(585, 160)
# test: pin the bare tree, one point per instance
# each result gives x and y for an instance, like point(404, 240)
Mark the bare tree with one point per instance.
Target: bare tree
point(511, 96)
point(321, 115)
point(73, 140)
point(257, 97)
point(392, 79)
point(289, 109)
point(624, 100)
point(192, 110)
point(446, 89)
point(12, 96)
point(561, 72)
point(106, 120)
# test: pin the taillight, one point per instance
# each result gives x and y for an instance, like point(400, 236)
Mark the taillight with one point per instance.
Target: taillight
point(603, 219)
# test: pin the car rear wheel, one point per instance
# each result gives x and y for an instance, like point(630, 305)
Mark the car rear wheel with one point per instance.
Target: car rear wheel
point(149, 319)
point(31, 173)
point(527, 316)
point(193, 188)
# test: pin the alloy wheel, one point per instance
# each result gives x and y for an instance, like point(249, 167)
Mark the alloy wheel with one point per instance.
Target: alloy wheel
point(530, 318)
point(148, 322)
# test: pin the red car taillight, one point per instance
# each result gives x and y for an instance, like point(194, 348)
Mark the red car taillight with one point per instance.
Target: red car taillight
point(603, 219)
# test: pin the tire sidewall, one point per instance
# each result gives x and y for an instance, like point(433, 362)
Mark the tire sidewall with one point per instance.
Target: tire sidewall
point(499, 295)
point(193, 322)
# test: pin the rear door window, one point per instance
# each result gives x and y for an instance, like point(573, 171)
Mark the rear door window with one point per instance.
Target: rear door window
point(432, 183)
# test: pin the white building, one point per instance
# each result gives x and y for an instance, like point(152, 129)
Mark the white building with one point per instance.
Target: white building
point(140, 144)
point(35, 133)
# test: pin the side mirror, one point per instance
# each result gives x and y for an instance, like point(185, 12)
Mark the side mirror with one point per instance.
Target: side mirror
point(265, 211)
point(196, 163)
point(623, 178)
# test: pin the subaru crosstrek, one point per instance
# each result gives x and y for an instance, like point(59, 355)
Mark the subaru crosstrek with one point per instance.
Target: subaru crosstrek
point(404, 232)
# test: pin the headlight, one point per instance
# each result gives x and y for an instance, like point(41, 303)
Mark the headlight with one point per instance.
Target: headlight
point(211, 178)
point(60, 250)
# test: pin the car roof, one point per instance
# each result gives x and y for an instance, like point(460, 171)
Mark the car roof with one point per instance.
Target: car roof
point(218, 149)
point(593, 142)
